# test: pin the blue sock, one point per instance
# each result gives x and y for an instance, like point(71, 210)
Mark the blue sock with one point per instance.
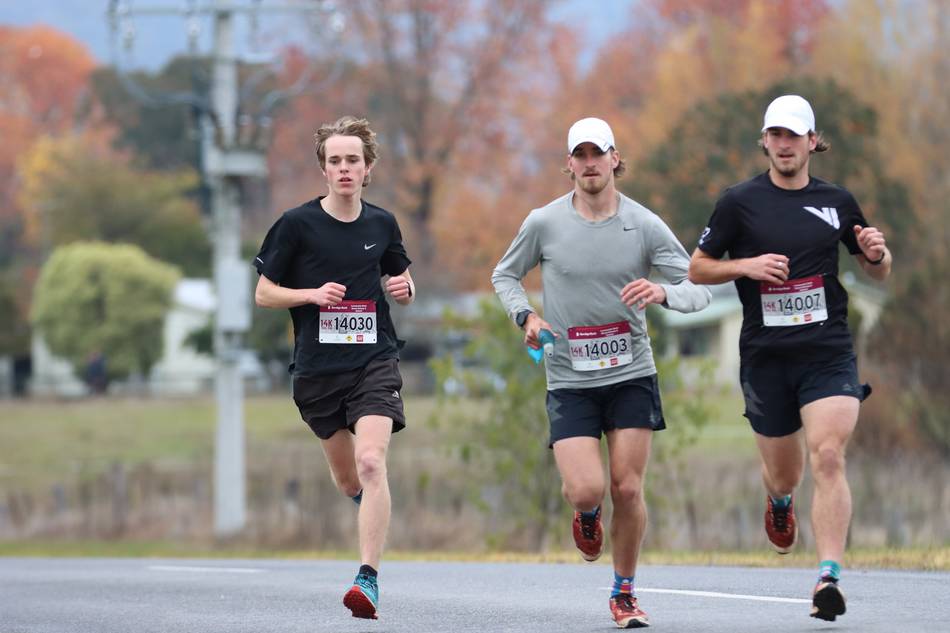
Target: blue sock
point(592, 514)
point(622, 584)
point(782, 502)
point(358, 497)
point(829, 569)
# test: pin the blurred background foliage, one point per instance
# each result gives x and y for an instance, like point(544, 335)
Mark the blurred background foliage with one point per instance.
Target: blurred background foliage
point(472, 99)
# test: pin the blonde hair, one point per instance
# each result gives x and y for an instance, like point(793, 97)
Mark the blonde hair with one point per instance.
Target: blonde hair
point(820, 146)
point(348, 126)
point(619, 170)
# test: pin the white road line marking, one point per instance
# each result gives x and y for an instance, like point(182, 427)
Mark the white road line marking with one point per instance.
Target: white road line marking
point(716, 594)
point(204, 570)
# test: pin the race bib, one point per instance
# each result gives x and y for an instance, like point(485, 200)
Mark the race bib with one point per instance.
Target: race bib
point(600, 346)
point(350, 322)
point(796, 302)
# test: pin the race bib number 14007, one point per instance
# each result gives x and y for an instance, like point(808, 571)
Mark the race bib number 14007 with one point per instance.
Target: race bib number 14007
point(796, 302)
point(349, 322)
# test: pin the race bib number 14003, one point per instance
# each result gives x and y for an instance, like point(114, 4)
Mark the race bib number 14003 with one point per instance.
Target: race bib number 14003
point(349, 322)
point(600, 346)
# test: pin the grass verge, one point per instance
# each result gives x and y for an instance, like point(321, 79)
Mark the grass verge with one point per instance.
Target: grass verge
point(922, 559)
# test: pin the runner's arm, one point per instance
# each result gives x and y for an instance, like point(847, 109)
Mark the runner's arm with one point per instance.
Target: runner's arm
point(873, 249)
point(706, 269)
point(667, 256)
point(271, 295)
point(523, 254)
point(401, 288)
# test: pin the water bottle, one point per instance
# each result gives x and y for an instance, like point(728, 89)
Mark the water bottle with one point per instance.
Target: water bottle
point(546, 338)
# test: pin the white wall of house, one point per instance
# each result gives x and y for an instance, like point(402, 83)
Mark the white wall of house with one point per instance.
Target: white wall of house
point(179, 371)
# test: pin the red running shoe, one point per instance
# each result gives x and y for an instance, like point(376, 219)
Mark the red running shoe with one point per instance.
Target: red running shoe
point(362, 597)
point(627, 613)
point(781, 527)
point(588, 535)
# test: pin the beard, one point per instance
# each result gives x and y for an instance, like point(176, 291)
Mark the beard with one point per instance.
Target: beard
point(790, 168)
point(592, 186)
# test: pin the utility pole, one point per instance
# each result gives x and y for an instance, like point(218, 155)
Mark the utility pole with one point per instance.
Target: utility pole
point(224, 163)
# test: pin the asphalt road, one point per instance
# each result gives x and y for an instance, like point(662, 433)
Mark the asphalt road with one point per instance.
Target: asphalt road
point(259, 596)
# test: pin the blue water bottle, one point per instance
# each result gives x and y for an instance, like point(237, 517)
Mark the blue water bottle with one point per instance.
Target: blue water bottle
point(546, 338)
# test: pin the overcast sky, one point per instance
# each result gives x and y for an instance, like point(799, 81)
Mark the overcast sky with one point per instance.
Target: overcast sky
point(158, 38)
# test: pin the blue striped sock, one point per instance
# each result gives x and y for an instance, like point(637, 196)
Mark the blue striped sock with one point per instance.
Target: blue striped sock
point(829, 569)
point(622, 584)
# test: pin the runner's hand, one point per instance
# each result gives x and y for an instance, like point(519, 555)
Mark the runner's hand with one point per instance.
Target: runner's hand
point(329, 294)
point(642, 292)
point(871, 241)
point(398, 287)
point(532, 327)
point(771, 268)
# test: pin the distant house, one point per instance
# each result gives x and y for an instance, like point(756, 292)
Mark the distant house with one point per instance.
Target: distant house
point(180, 370)
point(713, 333)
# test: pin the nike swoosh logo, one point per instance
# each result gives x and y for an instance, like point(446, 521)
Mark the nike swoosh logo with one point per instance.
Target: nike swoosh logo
point(632, 228)
point(366, 248)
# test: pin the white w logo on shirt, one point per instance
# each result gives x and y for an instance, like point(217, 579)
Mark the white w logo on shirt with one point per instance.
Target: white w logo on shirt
point(828, 214)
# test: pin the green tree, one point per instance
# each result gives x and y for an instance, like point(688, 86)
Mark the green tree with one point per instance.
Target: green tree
point(714, 146)
point(162, 134)
point(72, 192)
point(501, 442)
point(910, 345)
point(95, 298)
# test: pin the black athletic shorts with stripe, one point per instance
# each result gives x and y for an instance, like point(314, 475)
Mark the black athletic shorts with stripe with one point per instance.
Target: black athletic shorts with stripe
point(776, 387)
point(591, 411)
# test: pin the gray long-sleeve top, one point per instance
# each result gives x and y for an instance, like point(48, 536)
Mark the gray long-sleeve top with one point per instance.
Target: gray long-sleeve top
point(584, 266)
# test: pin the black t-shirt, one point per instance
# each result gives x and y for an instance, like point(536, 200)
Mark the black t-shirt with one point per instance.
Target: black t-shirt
point(756, 217)
point(306, 248)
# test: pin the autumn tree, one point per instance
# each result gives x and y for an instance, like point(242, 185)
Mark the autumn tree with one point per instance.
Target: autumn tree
point(43, 91)
point(440, 71)
point(72, 192)
point(95, 298)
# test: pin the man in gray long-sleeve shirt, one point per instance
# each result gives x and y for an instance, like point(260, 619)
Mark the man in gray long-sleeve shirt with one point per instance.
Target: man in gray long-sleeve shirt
point(596, 248)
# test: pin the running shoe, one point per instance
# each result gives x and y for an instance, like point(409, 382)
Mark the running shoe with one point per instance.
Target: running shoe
point(828, 601)
point(588, 535)
point(781, 527)
point(363, 597)
point(627, 613)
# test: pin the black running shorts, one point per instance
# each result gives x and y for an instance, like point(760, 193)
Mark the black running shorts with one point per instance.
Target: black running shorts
point(330, 403)
point(776, 388)
point(589, 412)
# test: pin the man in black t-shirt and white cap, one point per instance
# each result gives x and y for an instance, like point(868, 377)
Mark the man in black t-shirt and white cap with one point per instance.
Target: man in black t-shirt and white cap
point(781, 230)
point(324, 260)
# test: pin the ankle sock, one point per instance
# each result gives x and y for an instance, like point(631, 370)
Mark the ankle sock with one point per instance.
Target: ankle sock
point(592, 514)
point(622, 584)
point(366, 570)
point(358, 497)
point(781, 503)
point(829, 569)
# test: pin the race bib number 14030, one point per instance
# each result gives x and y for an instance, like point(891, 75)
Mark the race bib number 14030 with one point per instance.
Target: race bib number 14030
point(349, 322)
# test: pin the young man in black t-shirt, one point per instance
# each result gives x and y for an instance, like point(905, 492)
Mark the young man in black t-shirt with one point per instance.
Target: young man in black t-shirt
point(324, 261)
point(799, 377)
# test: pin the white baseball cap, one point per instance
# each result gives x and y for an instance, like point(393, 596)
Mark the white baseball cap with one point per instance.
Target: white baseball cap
point(590, 130)
point(792, 113)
